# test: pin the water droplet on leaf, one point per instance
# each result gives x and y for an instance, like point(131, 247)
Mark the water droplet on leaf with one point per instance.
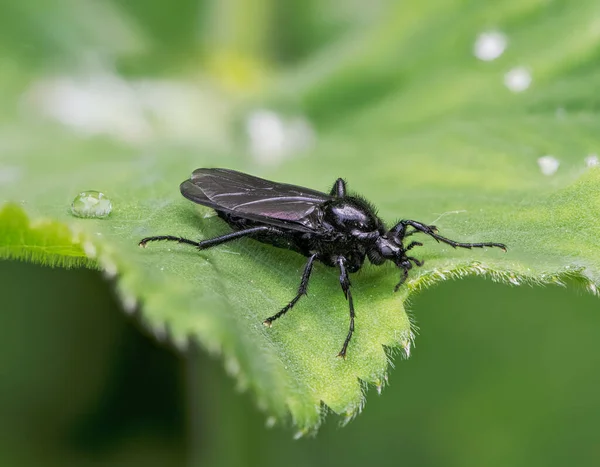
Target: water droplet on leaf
point(518, 79)
point(489, 45)
point(592, 161)
point(91, 204)
point(548, 165)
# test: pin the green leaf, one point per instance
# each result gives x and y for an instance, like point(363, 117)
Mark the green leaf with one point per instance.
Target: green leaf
point(415, 123)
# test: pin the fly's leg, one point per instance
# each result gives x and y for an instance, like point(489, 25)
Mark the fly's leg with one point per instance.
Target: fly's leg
point(345, 283)
point(411, 245)
point(169, 238)
point(339, 188)
point(301, 291)
point(405, 266)
point(417, 262)
point(204, 244)
point(400, 230)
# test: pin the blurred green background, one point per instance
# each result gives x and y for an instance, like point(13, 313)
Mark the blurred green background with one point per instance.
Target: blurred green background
point(515, 383)
point(500, 375)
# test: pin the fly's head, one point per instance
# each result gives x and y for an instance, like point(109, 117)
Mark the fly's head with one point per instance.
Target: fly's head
point(388, 247)
point(391, 247)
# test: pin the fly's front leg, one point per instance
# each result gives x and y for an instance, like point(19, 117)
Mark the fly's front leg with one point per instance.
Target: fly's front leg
point(345, 283)
point(301, 291)
point(431, 230)
point(405, 266)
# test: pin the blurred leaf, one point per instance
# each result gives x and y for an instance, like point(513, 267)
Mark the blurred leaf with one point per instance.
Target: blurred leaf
point(415, 123)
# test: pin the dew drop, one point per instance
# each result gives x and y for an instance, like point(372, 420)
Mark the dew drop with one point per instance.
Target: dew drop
point(592, 160)
point(379, 389)
point(548, 165)
point(489, 45)
point(518, 79)
point(91, 204)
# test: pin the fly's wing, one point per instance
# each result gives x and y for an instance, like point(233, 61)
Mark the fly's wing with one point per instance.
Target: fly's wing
point(242, 195)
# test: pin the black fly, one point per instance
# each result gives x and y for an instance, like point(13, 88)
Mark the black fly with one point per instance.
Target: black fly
point(336, 229)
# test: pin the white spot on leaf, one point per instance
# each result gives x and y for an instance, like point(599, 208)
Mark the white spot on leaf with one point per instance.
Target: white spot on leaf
point(101, 102)
point(489, 45)
point(299, 434)
point(273, 138)
point(548, 165)
point(518, 79)
point(129, 303)
point(592, 161)
point(9, 174)
point(270, 422)
point(89, 249)
point(109, 267)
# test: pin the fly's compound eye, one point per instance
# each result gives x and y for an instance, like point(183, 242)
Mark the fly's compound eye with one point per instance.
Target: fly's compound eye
point(387, 248)
point(396, 241)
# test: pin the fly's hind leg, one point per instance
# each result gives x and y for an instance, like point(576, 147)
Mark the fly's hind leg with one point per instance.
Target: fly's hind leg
point(204, 244)
point(301, 291)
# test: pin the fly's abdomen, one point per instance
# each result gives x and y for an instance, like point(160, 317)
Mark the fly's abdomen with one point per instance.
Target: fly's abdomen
point(288, 241)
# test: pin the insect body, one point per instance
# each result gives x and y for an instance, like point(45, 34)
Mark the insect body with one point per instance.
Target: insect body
point(336, 229)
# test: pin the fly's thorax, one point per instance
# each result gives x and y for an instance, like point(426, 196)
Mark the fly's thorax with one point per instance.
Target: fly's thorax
point(352, 217)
